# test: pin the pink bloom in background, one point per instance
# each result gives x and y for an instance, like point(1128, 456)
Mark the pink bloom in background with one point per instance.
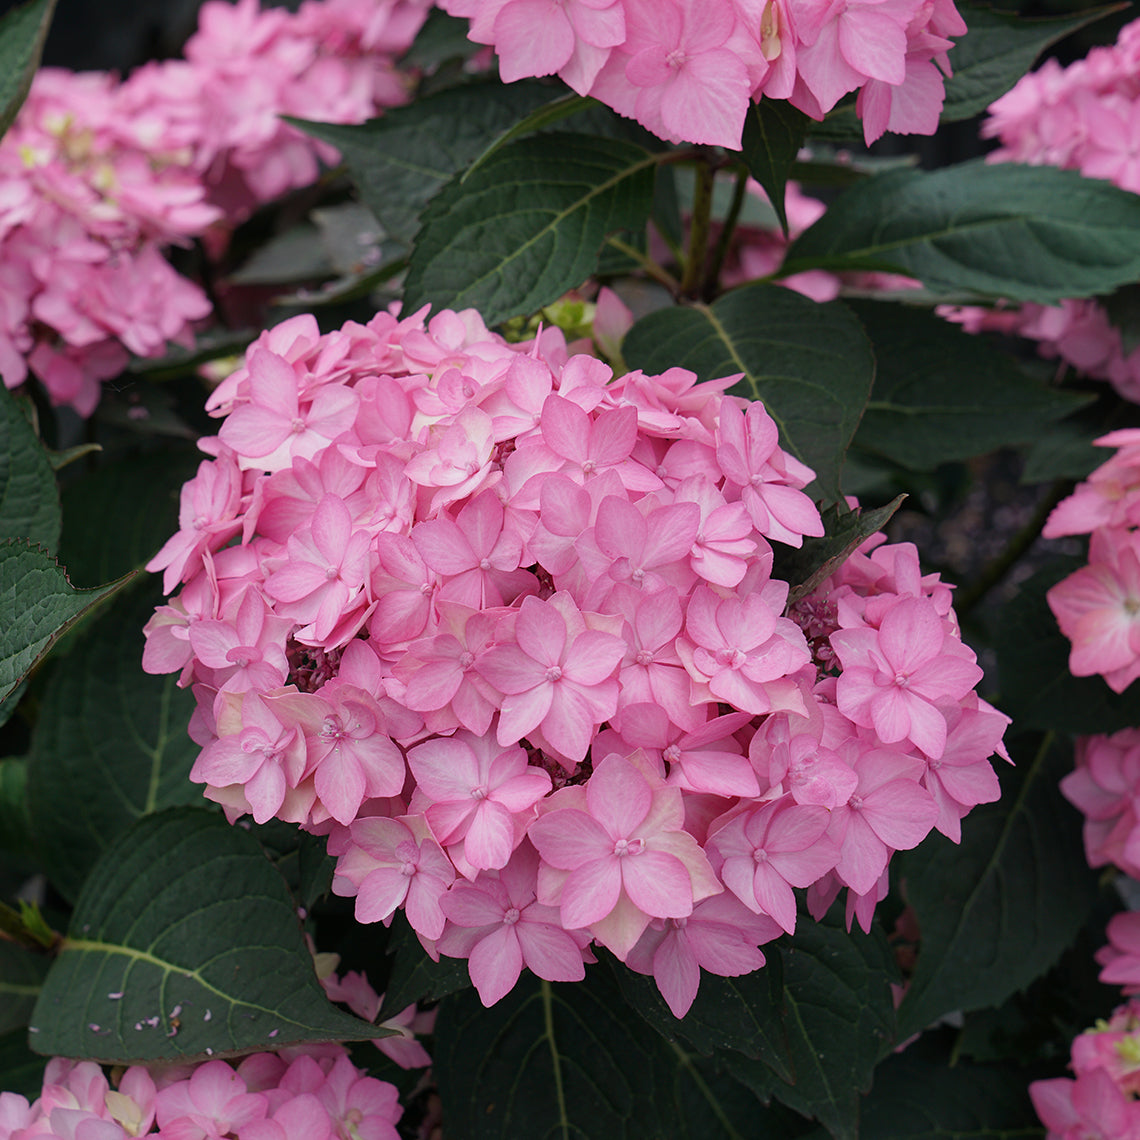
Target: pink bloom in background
point(1098, 610)
point(1100, 1103)
point(688, 70)
point(306, 1093)
point(98, 177)
point(504, 627)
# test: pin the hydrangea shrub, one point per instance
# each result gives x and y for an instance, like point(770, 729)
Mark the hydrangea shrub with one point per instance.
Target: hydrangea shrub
point(562, 636)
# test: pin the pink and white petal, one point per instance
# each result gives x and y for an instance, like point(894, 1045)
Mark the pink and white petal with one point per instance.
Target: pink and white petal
point(549, 952)
point(676, 972)
point(569, 838)
point(495, 964)
point(658, 883)
point(490, 837)
point(619, 797)
point(590, 892)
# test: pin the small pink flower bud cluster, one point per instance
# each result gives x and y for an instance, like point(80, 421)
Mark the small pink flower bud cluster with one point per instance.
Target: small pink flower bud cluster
point(1098, 606)
point(1103, 1101)
point(1083, 117)
point(504, 626)
point(98, 177)
point(688, 69)
point(301, 1093)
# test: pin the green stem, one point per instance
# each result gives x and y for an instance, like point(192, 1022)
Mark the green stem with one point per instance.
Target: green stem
point(729, 228)
point(699, 225)
point(14, 928)
point(966, 599)
point(652, 269)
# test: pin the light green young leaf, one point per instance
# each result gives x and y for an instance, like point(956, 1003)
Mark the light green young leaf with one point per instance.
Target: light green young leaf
point(1025, 233)
point(184, 939)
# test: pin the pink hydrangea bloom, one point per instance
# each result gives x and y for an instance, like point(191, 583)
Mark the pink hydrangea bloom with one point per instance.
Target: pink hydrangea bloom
point(518, 650)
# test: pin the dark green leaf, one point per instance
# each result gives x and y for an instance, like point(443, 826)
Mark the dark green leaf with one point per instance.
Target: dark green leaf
point(999, 909)
point(916, 1099)
point(21, 975)
point(998, 50)
point(838, 1017)
point(1064, 450)
point(1123, 310)
point(118, 516)
point(569, 1061)
point(414, 976)
point(818, 558)
point(110, 744)
point(300, 859)
point(528, 224)
point(442, 37)
point(539, 119)
point(811, 364)
point(942, 395)
point(185, 923)
point(1026, 233)
point(774, 132)
point(1037, 689)
point(29, 499)
point(15, 823)
point(22, 34)
point(742, 1013)
point(9, 703)
point(400, 161)
point(43, 605)
point(21, 1071)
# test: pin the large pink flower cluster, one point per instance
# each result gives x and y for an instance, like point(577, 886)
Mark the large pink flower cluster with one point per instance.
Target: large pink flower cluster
point(1098, 606)
point(1083, 117)
point(688, 69)
point(98, 177)
point(504, 626)
point(1103, 1101)
point(301, 1093)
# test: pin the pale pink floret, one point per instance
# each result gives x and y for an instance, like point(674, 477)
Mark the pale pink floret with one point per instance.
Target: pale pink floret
point(392, 863)
point(477, 793)
point(742, 650)
point(762, 854)
point(721, 936)
point(557, 675)
point(212, 1103)
point(894, 677)
point(1098, 610)
point(768, 478)
point(1120, 959)
point(498, 926)
point(627, 856)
